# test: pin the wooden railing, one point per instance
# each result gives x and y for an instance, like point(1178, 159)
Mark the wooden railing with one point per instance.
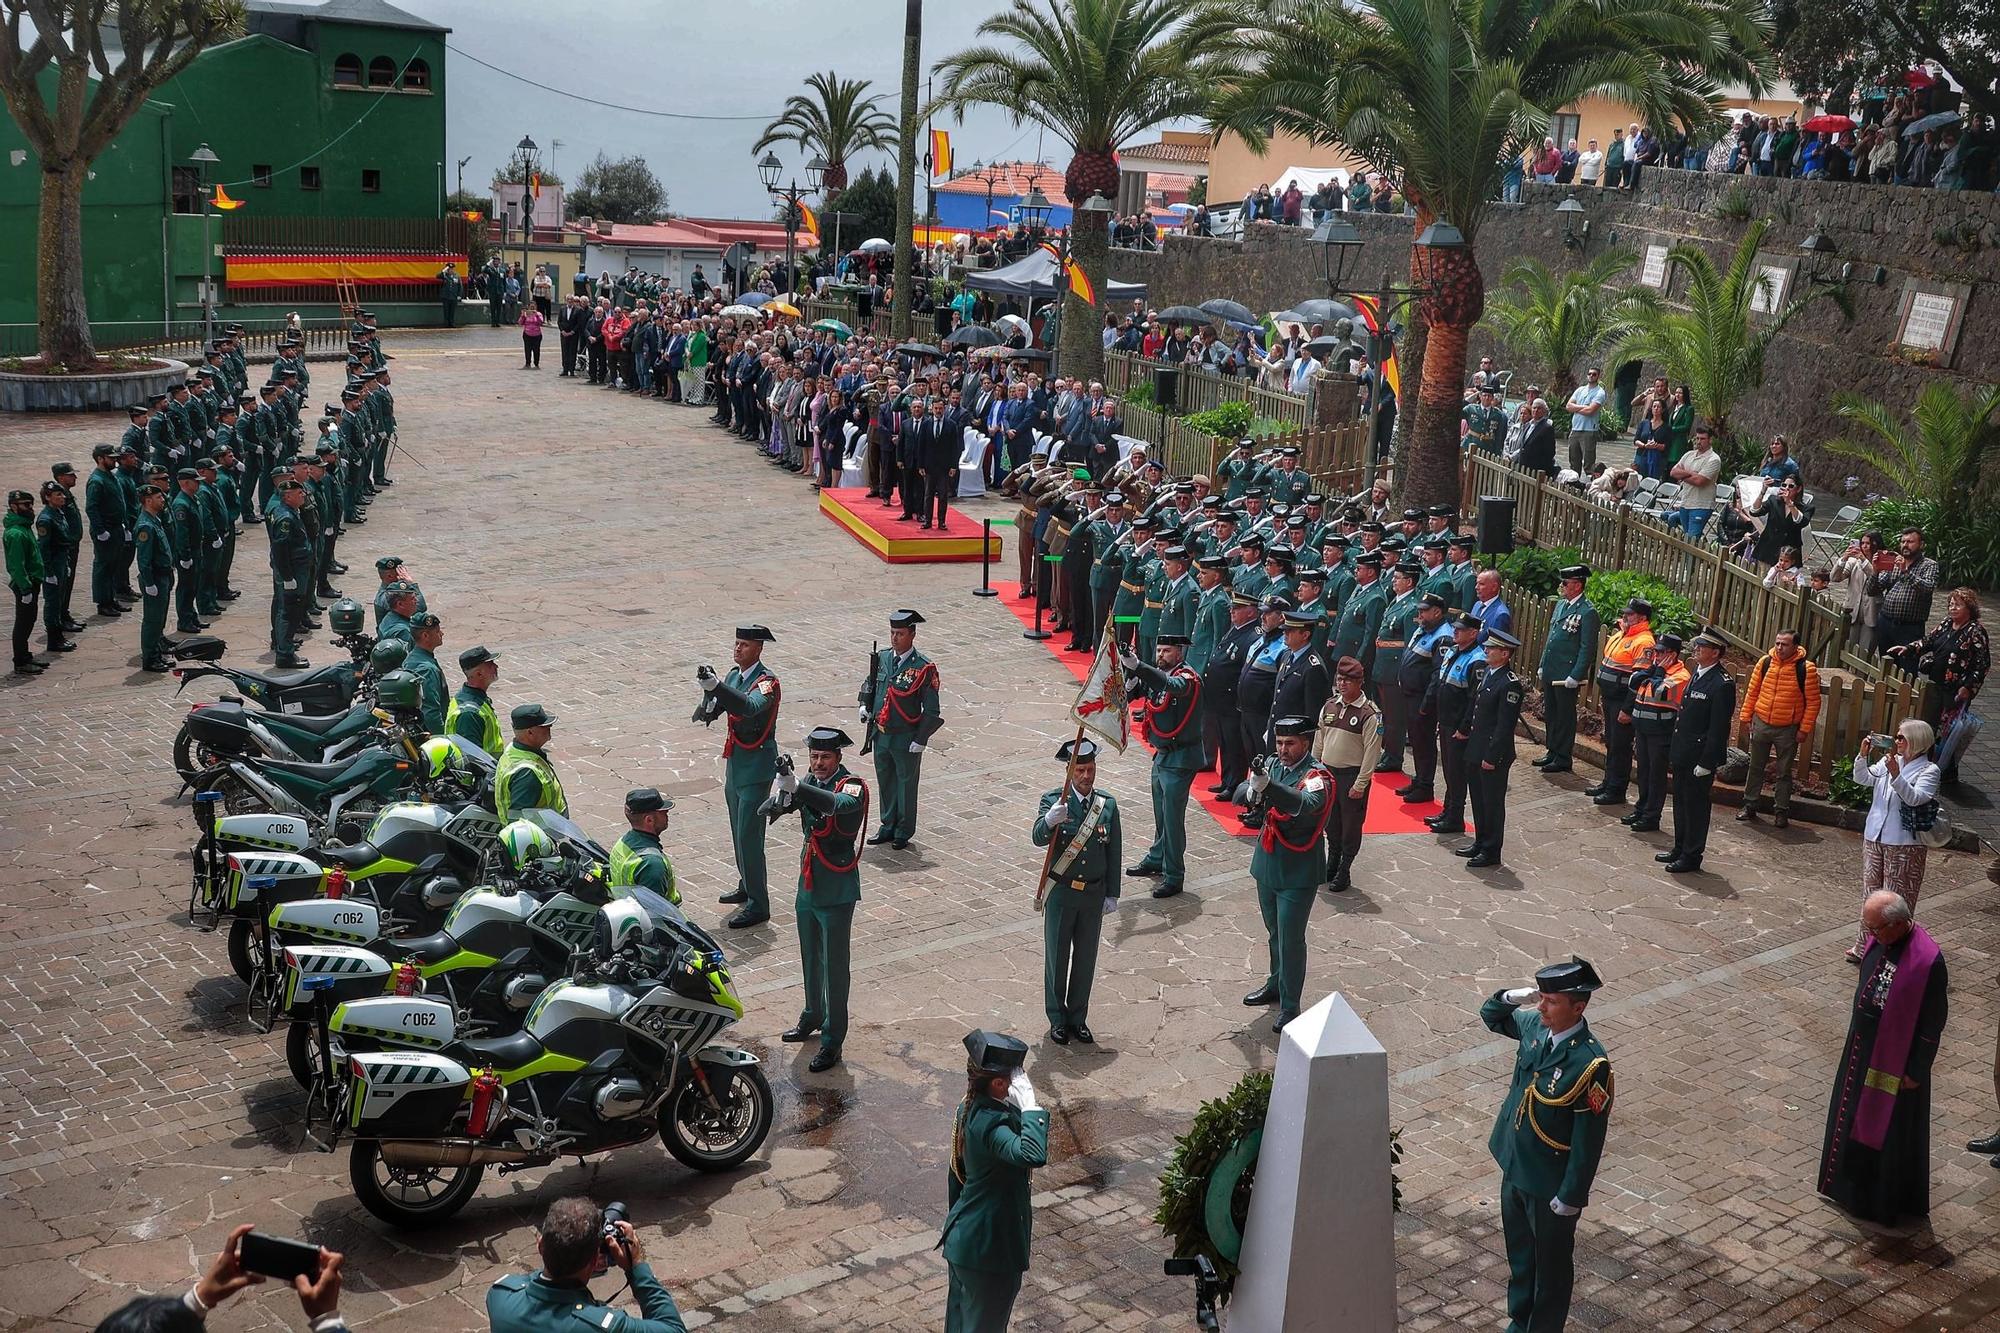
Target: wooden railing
point(1202, 389)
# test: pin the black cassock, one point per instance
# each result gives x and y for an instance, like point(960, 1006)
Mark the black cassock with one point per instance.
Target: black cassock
point(1888, 1184)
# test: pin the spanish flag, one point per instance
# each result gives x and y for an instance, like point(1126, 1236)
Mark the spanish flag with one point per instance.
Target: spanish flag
point(940, 152)
point(536, 183)
point(1079, 283)
point(1371, 315)
point(808, 221)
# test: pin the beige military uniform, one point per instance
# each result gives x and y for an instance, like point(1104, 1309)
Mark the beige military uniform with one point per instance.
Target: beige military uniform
point(1350, 735)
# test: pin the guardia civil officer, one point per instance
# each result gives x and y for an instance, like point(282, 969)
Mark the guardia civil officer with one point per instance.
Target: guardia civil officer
point(1221, 723)
point(899, 702)
point(749, 696)
point(1489, 749)
point(155, 564)
point(1567, 655)
point(833, 806)
point(999, 1134)
point(574, 1249)
point(1173, 705)
point(637, 857)
point(471, 716)
point(1548, 1136)
point(1699, 746)
point(524, 779)
point(1295, 792)
point(1080, 889)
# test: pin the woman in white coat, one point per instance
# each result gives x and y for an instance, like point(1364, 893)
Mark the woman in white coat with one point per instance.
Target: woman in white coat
point(1903, 777)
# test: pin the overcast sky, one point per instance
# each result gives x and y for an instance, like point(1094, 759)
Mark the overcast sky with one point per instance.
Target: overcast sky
point(738, 58)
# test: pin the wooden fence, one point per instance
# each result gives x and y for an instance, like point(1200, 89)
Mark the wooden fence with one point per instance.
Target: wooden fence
point(1201, 389)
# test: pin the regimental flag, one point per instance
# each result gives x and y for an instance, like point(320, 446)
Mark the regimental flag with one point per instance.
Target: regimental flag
point(535, 183)
point(1371, 315)
point(1101, 706)
point(223, 201)
point(808, 221)
point(940, 152)
point(1073, 273)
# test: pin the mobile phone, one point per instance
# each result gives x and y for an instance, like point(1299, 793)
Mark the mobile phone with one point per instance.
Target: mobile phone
point(275, 1256)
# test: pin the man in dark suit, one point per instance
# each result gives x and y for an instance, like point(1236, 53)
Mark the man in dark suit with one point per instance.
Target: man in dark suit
point(569, 327)
point(1221, 719)
point(1022, 412)
point(1700, 744)
point(943, 442)
point(885, 435)
point(1489, 749)
point(1538, 445)
point(917, 430)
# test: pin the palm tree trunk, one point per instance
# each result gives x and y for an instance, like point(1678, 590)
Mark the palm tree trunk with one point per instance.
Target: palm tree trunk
point(906, 174)
point(1456, 299)
point(60, 309)
point(1082, 340)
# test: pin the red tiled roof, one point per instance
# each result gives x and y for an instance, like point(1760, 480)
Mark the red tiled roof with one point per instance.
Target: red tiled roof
point(687, 233)
point(1162, 151)
point(1010, 178)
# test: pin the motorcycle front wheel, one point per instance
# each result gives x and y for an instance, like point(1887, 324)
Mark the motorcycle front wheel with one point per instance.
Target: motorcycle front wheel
point(239, 949)
point(299, 1053)
point(409, 1196)
point(718, 1137)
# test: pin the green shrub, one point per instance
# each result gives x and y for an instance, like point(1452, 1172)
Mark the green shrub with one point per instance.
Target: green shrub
point(1843, 790)
point(1966, 547)
point(1140, 394)
point(1610, 590)
point(1230, 420)
point(1735, 205)
point(1610, 423)
point(1533, 568)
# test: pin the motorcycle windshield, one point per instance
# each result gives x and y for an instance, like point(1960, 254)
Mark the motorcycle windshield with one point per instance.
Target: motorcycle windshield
point(668, 919)
point(562, 828)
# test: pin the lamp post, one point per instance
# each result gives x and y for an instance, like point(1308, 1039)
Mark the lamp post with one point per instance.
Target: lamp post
point(769, 169)
point(1574, 237)
point(528, 150)
point(1340, 246)
point(990, 173)
point(203, 159)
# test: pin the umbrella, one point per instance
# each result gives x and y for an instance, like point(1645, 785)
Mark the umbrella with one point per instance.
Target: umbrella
point(752, 298)
point(1234, 311)
point(835, 327)
point(1828, 124)
point(972, 335)
point(918, 349)
point(1932, 122)
point(995, 353)
point(781, 308)
point(1009, 325)
point(1316, 312)
point(739, 311)
point(1183, 314)
point(875, 245)
point(1028, 354)
point(1326, 342)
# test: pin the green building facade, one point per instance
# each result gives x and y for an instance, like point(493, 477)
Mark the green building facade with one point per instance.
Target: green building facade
point(328, 122)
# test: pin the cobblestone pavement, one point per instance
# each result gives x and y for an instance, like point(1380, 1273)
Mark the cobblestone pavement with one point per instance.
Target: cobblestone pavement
point(606, 546)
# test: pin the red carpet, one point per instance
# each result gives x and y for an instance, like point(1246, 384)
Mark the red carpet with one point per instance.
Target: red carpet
point(880, 528)
point(1386, 813)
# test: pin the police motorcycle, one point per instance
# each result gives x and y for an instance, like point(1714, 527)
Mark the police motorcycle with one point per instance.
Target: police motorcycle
point(495, 953)
point(616, 1052)
point(216, 729)
point(316, 691)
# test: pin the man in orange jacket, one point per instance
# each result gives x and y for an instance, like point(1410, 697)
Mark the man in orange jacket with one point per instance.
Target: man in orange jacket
point(1780, 705)
point(1624, 653)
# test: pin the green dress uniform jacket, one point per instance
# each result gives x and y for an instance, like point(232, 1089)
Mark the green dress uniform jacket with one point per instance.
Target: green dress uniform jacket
point(1237, 474)
point(422, 664)
point(1441, 582)
point(749, 762)
point(1465, 585)
point(1211, 622)
point(1179, 601)
point(1392, 636)
point(154, 557)
point(519, 1303)
point(1288, 866)
point(471, 717)
point(1152, 601)
point(1249, 580)
point(989, 1220)
point(1288, 488)
point(901, 696)
point(109, 520)
point(637, 858)
point(1107, 567)
point(1172, 727)
point(1354, 633)
point(1570, 652)
point(393, 626)
point(834, 813)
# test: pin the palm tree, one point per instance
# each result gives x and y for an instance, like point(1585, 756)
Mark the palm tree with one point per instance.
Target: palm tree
point(1094, 73)
point(1940, 461)
point(1442, 94)
point(1716, 345)
point(1555, 322)
point(835, 121)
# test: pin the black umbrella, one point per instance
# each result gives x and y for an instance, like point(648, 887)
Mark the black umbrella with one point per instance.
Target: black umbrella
point(1235, 310)
point(1028, 354)
point(1326, 342)
point(1317, 312)
point(918, 349)
point(1183, 314)
point(972, 335)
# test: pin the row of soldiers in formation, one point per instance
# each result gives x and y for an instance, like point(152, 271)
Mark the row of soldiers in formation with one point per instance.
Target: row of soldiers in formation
point(223, 459)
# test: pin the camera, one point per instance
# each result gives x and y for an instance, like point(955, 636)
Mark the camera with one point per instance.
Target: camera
point(1208, 1288)
point(614, 1213)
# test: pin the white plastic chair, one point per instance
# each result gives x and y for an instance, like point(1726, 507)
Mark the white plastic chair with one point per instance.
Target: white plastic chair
point(854, 457)
point(1649, 484)
point(972, 464)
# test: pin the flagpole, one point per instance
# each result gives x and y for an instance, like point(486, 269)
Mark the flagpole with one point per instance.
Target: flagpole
point(1106, 644)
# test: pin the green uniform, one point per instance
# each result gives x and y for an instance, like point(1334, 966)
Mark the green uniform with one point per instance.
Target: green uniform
point(525, 780)
point(1211, 622)
point(1485, 427)
point(990, 1217)
point(1129, 604)
point(1288, 487)
point(1569, 653)
point(637, 858)
point(519, 1301)
point(471, 717)
point(1547, 1139)
point(1180, 599)
point(109, 520)
point(1083, 874)
point(1173, 729)
point(1465, 584)
point(1354, 632)
point(1236, 474)
point(1315, 611)
point(393, 626)
point(1152, 602)
point(424, 666)
point(835, 815)
point(217, 526)
point(1249, 580)
point(1107, 568)
point(184, 521)
point(901, 696)
point(1442, 582)
point(155, 564)
point(291, 573)
point(1289, 865)
point(749, 762)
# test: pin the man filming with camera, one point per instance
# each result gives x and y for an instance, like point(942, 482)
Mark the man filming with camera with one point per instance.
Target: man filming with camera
point(578, 1242)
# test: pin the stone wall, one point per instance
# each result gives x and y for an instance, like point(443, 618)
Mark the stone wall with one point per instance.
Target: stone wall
point(1819, 353)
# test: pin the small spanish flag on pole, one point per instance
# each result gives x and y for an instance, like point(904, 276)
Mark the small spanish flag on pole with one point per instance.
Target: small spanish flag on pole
point(536, 182)
point(1371, 315)
point(940, 152)
point(1073, 273)
point(223, 201)
point(808, 221)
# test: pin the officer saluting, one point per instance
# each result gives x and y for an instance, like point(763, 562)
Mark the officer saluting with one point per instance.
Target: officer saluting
point(1000, 1134)
point(1079, 890)
point(749, 695)
point(833, 805)
point(1548, 1136)
point(1289, 865)
point(899, 700)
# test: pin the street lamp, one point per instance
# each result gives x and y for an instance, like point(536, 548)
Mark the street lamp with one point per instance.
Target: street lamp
point(203, 159)
point(769, 169)
point(1819, 250)
point(1574, 237)
point(1034, 209)
point(529, 151)
point(990, 173)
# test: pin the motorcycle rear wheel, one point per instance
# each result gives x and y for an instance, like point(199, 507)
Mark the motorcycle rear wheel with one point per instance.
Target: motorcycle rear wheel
point(189, 759)
point(412, 1196)
point(239, 949)
point(299, 1053)
point(708, 1139)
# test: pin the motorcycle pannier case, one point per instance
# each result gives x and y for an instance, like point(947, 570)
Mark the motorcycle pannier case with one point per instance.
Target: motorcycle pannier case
point(404, 1095)
point(198, 648)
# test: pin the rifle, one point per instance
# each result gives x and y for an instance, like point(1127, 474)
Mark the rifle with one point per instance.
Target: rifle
point(874, 688)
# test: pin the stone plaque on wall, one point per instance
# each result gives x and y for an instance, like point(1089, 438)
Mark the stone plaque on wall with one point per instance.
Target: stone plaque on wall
point(1653, 267)
point(1774, 283)
point(1929, 317)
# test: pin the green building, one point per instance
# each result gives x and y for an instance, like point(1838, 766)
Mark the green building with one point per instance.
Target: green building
point(328, 123)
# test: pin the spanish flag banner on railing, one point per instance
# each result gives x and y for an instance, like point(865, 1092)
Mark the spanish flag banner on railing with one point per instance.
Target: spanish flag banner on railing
point(1074, 274)
point(1371, 315)
point(940, 152)
point(326, 270)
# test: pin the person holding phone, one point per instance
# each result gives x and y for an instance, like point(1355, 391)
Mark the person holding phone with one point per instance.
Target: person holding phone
point(247, 1258)
point(576, 1245)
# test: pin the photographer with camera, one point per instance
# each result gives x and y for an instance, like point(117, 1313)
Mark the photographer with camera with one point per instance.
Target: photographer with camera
point(579, 1242)
point(247, 1258)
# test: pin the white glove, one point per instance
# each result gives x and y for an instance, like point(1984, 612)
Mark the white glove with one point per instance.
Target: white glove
point(1128, 658)
point(706, 677)
point(1520, 995)
point(290, 585)
point(104, 536)
point(1110, 906)
point(128, 534)
point(1056, 815)
point(1703, 772)
point(150, 592)
point(189, 564)
point(788, 783)
point(1562, 1209)
point(916, 747)
point(215, 545)
point(1259, 781)
point(1571, 683)
point(863, 711)
point(53, 579)
point(1021, 1093)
